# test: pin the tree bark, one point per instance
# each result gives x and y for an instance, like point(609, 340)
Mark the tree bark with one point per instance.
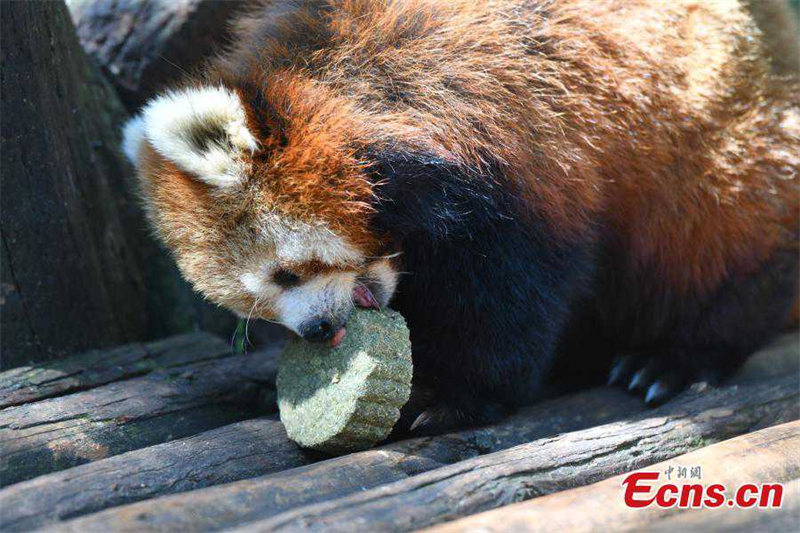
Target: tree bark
point(143, 47)
point(78, 267)
point(768, 456)
point(59, 433)
point(70, 273)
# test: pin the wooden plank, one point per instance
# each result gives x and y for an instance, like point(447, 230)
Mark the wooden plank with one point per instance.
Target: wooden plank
point(333, 494)
point(98, 367)
point(771, 455)
point(229, 453)
point(59, 433)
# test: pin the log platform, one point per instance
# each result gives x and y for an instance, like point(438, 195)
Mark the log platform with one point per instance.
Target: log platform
point(183, 435)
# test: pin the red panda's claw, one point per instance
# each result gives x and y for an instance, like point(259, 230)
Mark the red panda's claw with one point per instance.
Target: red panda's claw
point(421, 421)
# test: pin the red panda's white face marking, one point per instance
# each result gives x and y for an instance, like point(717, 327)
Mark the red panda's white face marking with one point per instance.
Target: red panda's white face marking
point(200, 179)
point(308, 273)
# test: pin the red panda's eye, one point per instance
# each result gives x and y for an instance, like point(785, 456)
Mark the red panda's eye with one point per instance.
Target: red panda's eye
point(285, 278)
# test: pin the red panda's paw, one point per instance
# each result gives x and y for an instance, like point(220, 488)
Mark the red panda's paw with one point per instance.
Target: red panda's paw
point(441, 418)
point(428, 413)
point(425, 415)
point(659, 376)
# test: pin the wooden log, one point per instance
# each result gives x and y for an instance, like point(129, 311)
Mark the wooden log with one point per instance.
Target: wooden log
point(98, 367)
point(780, 358)
point(144, 46)
point(771, 455)
point(215, 507)
point(787, 518)
point(119, 479)
point(549, 465)
point(414, 499)
point(78, 269)
point(229, 453)
point(59, 433)
point(71, 274)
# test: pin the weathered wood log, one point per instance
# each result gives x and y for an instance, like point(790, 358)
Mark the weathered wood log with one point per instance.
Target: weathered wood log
point(59, 433)
point(549, 465)
point(98, 367)
point(230, 504)
point(233, 452)
point(70, 274)
point(779, 358)
point(416, 499)
point(144, 46)
point(119, 479)
point(771, 455)
point(77, 265)
point(787, 518)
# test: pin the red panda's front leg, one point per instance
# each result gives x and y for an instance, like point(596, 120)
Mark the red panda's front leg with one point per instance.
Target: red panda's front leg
point(486, 294)
point(689, 338)
point(485, 315)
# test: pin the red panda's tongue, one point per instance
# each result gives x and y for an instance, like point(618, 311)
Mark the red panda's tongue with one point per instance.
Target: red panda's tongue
point(337, 337)
point(363, 297)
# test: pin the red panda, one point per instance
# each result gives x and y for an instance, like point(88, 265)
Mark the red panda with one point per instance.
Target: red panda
point(533, 184)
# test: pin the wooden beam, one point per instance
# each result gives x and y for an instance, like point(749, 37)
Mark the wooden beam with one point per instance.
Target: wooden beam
point(771, 455)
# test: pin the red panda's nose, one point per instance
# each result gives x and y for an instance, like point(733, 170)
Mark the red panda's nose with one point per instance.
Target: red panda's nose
point(317, 330)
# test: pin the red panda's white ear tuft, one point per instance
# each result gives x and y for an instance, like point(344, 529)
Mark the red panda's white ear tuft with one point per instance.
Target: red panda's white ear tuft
point(202, 130)
point(132, 137)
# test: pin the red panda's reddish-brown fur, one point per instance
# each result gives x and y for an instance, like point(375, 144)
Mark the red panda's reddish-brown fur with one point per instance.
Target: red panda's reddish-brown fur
point(660, 117)
point(654, 133)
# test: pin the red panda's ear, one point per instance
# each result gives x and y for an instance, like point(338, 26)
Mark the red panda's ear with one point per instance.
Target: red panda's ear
point(201, 130)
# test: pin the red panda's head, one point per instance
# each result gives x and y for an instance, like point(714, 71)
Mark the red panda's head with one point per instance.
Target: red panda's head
point(266, 214)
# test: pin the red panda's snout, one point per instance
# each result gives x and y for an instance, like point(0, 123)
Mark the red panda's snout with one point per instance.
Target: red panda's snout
point(332, 328)
point(316, 307)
